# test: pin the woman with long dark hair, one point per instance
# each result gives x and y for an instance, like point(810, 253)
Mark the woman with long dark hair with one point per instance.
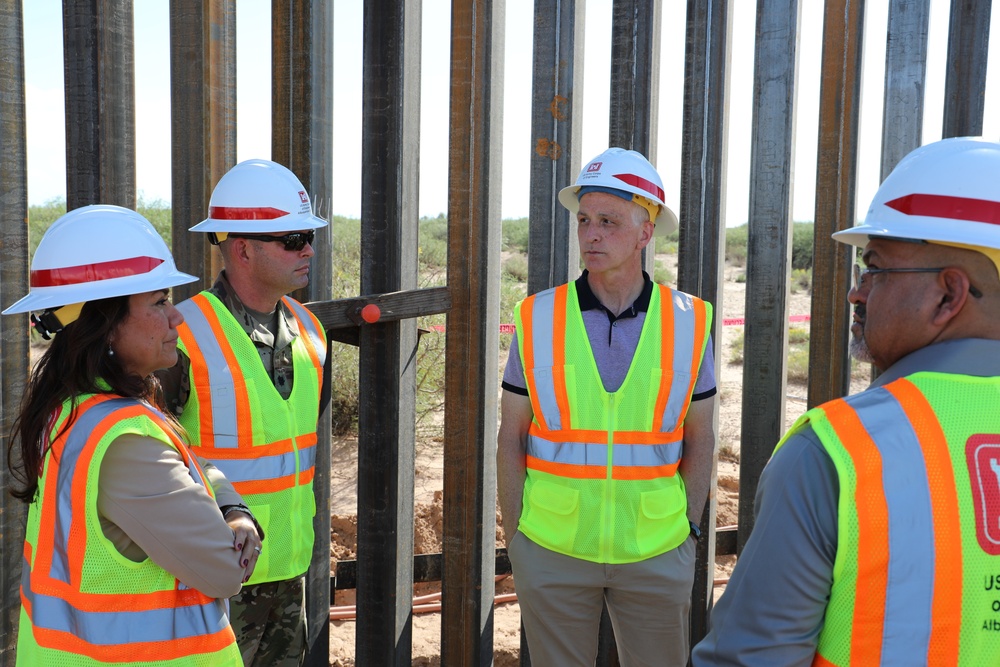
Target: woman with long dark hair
point(132, 545)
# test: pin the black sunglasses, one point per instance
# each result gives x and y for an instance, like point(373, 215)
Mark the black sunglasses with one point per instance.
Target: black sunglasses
point(294, 242)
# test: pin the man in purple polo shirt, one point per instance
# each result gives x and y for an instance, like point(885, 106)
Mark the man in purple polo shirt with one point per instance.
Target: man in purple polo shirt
point(606, 439)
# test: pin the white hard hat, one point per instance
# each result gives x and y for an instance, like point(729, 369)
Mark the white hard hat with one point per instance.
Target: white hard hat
point(97, 252)
point(946, 192)
point(629, 172)
point(259, 197)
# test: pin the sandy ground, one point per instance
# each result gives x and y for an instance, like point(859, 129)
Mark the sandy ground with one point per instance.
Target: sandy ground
point(428, 484)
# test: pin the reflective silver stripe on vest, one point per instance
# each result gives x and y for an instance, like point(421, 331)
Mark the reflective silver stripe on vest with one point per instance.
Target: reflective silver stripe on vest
point(116, 628)
point(220, 377)
point(590, 454)
point(910, 588)
point(541, 345)
point(684, 351)
point(542, 341)
point(265, 467)
point(76, 439)
point(308, 328)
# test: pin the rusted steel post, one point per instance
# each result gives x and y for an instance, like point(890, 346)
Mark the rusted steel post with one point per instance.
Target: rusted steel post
point(635, 83)
point(99, 74)
point(905, 74)
point(13, 285)
point(302, 139)
point(701, 251)
point(390, 143)
point(472, 339)
point(556, 126)
point(965, 81)
point(302, 115)
point(202, 125)
point(768, 246)
point(836, 175)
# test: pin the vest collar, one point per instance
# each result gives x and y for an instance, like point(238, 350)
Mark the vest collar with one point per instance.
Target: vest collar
point(589, 301)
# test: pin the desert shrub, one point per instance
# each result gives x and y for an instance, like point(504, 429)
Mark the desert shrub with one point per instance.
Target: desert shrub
point(514, 233)
point(736, 349)
point(741, 278)
point(801, 280)
point(802, 245)
point(516, 267)
point(736, 245)
point(798, 335)
point(662, 274)
point(797, 369)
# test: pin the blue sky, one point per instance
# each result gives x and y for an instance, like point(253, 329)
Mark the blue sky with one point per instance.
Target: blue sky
point(46, 133)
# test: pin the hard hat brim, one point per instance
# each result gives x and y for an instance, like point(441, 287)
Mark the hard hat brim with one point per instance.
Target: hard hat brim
point(43, 298)
point(288, 223)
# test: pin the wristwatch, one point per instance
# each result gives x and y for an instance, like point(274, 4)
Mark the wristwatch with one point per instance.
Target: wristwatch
point(695, 530)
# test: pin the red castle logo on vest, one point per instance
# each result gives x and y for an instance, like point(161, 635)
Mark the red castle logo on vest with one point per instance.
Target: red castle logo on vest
point(982, 454)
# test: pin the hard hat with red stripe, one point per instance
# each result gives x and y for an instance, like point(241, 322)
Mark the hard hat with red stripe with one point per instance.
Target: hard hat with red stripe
point(259, 197)
point(623, 171)
point(97, 252)
point(946, 192)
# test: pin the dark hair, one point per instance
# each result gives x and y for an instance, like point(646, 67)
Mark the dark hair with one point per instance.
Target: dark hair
point(76, 363)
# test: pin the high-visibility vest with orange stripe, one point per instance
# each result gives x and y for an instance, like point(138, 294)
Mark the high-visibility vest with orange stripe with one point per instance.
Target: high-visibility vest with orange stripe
point(916, 580)
point(264, 444)
point(82, 602)
point(601, 482)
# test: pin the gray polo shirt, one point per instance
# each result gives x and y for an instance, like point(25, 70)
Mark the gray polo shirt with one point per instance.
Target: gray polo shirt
point(772, 610)
point(613, 340)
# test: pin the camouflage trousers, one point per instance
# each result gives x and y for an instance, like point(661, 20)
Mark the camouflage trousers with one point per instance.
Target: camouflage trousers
point(269, 621)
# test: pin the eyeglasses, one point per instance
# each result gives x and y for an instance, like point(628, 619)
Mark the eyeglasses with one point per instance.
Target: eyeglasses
point(860, 276)
point(293, 242)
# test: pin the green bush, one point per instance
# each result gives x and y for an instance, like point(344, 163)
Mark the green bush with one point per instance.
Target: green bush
point(736, 245)
point(802, 245)
point(516, 267)
point(801, 280)
point(662, 275)
point(736, 349)
point(515, 235)
point(798, 335)
point(797, 369)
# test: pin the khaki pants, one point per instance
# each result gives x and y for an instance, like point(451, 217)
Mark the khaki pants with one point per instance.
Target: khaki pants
point(561, 600)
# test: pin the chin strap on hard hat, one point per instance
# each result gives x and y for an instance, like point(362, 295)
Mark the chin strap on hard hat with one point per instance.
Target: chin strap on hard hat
point(53, 320)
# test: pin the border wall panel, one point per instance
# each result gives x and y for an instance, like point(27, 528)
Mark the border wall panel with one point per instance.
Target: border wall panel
point(99, 79)
point(202, 126)
point(472, 339)
point(768, 245)
point(965, 80)
point(13, 285)
point(702, 236)
point(836, 178)
point(302, 139)
point(389, 187)
point(556, 129)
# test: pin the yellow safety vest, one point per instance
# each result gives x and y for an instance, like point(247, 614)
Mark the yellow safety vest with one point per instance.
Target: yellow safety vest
point(82, 602)
point(265, 445)
point(601, 482)
point(916, 579)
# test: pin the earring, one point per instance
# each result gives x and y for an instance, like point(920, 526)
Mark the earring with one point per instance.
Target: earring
point(111, 352)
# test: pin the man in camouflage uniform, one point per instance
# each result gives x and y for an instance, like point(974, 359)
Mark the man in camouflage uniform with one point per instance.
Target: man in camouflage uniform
point(248, 387)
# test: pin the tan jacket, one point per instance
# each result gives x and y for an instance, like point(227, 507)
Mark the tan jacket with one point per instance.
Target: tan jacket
point(151, 507)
